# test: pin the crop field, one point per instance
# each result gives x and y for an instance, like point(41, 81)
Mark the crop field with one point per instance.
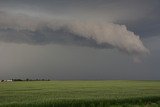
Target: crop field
point(80, 94)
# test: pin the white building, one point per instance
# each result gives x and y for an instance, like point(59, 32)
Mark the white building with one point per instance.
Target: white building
point(9, 80)
point(6, 80)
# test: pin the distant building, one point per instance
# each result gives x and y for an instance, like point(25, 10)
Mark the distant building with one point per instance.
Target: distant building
point(9, 80)
point(6, 80)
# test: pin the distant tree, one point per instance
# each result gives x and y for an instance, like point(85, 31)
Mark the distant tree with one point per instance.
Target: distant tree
point(17, 80)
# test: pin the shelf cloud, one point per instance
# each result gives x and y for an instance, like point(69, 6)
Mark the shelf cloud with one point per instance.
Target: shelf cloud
point(80, 39)
point(23, 28)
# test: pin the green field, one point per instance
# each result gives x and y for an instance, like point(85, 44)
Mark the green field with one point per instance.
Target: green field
point(80, 94)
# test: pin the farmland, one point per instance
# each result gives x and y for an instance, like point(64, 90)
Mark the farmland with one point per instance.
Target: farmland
point(80, 94)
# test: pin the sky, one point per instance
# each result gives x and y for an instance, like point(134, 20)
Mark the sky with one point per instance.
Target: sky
point(80, 39)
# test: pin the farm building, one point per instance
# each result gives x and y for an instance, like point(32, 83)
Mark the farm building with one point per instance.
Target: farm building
point(6, 80)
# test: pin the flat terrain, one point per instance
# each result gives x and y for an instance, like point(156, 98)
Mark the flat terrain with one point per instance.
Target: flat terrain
point(80, 94)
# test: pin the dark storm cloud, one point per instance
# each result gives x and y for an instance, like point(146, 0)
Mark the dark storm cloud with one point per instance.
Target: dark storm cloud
point(32, 18)
point(102, 32)
point(29, 28)
point(48, 36)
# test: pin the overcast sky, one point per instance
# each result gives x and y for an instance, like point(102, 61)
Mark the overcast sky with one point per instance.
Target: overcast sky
point(80, 39)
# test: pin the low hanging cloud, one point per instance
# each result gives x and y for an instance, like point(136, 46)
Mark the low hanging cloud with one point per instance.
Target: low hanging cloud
point(24, 28)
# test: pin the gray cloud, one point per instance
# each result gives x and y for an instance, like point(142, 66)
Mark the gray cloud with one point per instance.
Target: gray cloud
point(23, 28)
point(52, 39)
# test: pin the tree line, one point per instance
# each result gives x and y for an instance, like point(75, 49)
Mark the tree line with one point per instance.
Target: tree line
point(27, 79)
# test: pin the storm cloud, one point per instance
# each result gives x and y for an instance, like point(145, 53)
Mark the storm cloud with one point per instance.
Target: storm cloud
point(23, 28)
point(80, 39)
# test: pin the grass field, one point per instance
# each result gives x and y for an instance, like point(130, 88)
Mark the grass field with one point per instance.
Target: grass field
point(80, 94)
